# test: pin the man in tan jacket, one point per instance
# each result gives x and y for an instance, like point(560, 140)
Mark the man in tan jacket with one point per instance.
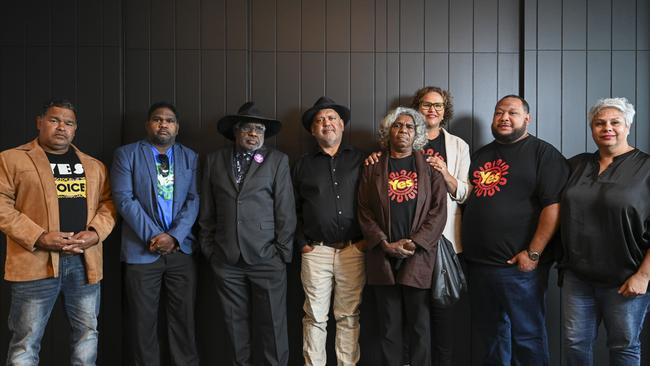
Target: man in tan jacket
point(55, 209)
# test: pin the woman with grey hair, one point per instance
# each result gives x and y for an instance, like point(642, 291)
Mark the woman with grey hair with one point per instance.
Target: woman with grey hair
point(605, 226)
point(402, 212)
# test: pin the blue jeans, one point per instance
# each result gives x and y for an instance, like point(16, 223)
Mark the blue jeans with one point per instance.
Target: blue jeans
point(508, 314)
point(584, 306)
point(32, 303)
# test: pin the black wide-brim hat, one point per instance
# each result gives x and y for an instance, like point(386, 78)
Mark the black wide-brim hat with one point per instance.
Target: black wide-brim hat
point(324, 103)
point(248, 112)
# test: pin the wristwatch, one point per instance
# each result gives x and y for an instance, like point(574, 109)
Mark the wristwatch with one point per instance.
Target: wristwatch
point(533, 255)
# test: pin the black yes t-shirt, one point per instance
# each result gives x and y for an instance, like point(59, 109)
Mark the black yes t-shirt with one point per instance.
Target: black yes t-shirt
point(436, 147)
point(402, 194)
point(512, 183)
point(70, 182)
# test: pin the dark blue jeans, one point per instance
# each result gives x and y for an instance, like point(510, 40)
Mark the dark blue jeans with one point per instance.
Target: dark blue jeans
point(508, 314)
point(32, 303)
point(584, 306)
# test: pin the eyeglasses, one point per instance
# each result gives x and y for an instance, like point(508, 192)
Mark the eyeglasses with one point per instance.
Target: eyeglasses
point(163, 164)
point(248, 128)
point(437, 106)
point(399, 125)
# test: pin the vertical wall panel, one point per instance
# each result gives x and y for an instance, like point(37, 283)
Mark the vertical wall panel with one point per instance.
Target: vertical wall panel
point(381, 24)
point(508, 24)
point(337, 25)
point(392, 80)
point(64, 78)
point(313, 25)
point(549, 81)
point(88, 137)
point(38, 83)
point(12, 97)
point(411, 75)
point(642, 24)
point(485, 25)
point(136, 93)
point(549, 22)
point(624, 24)
point(188, 88)
point(362, 27)
point(574, 25)
point(187, 27)
point(162, 24)
point(624, 79)
point(112, 20)
point(312, 78)
point(137, 19)
point(88, 28)
point(484, 97)
point(461, 27)
point(599, 78)
point(436, 25)
point(599, 23)
point(63, 23)
point(213, 97)
point(263, 25)
point(12, 23)
point(642, 106)
point(462, 88)
point(411, 26)
point(337, 79)
point(288, 103)
point(213, 24)
point(289, 25)
point(381, 86)
point(236, 80)
point(237, 25)
point(574, 103)
point(508, 74)
point(361, 129)
point(112, 108)
point(162, 70)
point(436, 69)
point(392, 25)
point(530, 25)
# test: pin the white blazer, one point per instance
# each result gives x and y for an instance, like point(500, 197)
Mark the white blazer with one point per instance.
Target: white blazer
point(458, 160)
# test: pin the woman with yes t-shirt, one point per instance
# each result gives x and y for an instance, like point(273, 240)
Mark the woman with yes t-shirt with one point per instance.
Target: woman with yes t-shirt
point(402, 212)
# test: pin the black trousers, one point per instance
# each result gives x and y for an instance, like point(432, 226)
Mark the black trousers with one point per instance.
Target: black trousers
point(143, 283)
point(254, 301)
point(403, 308)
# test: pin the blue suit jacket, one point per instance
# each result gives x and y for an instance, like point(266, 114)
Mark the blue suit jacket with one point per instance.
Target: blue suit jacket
point(133, 181)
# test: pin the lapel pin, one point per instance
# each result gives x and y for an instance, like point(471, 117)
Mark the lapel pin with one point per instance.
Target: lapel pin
point(258, 158)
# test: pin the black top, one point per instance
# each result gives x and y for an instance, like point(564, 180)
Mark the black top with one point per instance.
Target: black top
point(70, 182)
point(402, 195)
point(436, 147)
point(604, 218)
point(512, 183)
point(326, 196)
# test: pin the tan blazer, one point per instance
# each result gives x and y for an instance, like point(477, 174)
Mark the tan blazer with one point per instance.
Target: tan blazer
point(29, 207)
point(428, 223)
point(458, 159)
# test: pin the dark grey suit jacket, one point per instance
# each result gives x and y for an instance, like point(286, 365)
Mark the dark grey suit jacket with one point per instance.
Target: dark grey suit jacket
point(257, 221)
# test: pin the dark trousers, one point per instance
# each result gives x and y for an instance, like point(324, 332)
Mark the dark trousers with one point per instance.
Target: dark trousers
point(398, 302)
point(508, 314)
point(143, 283)
point(254, 301)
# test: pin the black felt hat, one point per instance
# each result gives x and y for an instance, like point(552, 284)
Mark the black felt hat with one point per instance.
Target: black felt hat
point(248, 112)
point(324, 103)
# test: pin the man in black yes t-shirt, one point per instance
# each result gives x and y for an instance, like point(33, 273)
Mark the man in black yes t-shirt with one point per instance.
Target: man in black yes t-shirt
point(510, 216)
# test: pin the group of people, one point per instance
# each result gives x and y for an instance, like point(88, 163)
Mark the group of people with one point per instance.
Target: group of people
point(358, 222)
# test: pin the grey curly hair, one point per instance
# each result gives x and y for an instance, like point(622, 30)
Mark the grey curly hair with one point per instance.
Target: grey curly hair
point(420, 127)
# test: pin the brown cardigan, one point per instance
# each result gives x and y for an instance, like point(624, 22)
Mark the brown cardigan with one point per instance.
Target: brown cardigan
point(428, 223)
point(29, 207)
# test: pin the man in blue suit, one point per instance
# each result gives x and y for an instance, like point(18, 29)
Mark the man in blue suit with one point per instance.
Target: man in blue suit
point(155, 192)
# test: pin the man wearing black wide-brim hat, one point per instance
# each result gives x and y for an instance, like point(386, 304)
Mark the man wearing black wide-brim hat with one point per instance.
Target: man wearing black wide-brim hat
point(247, 224)
point(328, 235)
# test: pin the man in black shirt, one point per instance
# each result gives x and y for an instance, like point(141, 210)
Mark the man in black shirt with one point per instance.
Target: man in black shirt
point(329, 237)
point(511, 215)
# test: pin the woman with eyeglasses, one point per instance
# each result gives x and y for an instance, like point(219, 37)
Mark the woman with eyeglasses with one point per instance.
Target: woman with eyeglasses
point(449, 155)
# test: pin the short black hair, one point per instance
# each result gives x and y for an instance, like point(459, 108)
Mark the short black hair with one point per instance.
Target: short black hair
point(523, 101)
point(60, 103)
point(161, 104)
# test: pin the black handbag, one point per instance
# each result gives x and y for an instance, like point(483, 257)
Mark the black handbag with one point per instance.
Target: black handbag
point(448, 282)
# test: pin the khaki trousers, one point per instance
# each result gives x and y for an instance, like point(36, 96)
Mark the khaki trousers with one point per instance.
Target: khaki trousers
point(326, 271)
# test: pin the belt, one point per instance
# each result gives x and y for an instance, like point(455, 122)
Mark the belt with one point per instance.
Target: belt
point(335, 245)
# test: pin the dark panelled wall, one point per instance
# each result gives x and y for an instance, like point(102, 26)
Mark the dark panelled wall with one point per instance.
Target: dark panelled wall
point(113, 58)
